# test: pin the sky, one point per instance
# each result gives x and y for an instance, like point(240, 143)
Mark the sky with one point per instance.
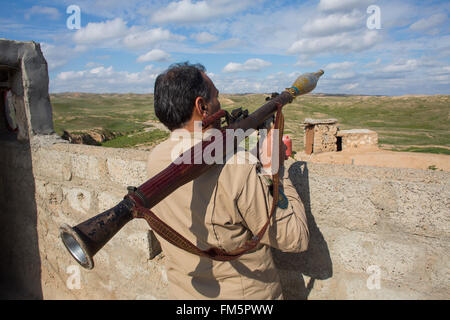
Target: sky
point(376, 47)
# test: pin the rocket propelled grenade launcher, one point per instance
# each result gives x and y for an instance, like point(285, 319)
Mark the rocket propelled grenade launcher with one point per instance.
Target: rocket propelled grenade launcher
point(84, 240)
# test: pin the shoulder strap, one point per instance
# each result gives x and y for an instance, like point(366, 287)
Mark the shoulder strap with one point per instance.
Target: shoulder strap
point(172, 236)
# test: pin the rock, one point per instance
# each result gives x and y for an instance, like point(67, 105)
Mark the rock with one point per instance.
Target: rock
point(93, 137)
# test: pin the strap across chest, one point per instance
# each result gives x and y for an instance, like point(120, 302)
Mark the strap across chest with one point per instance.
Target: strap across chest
point(215, 253)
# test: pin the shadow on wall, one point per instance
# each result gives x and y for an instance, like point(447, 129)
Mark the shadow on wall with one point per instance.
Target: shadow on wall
point(24, 76)
point(316, 261)
point(20, 263)
point(20, 267)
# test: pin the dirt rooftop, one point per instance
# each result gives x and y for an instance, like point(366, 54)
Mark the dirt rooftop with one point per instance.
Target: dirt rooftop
point(381, 158)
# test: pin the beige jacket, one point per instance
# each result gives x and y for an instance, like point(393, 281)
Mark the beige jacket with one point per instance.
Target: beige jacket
point(223, 208)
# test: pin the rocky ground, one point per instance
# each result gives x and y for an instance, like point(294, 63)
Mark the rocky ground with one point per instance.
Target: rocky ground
point(94, 137)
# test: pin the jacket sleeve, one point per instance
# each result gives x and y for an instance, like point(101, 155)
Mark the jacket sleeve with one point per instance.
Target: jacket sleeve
point(288, 230)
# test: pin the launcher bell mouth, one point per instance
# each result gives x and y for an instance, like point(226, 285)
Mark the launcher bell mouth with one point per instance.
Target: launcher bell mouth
point(76, 246)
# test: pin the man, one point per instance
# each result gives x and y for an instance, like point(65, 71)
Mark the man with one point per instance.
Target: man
point(222, 208)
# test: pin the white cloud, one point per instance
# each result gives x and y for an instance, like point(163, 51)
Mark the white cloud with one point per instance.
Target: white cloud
point(402, 66)
point(249, 65)
point(334, 23)
point(102, 70)
point(305, 63)
point(50, 12)
point(105, 79)
point(395, 14)
point(154, 55)
point(93, 64)
point(110, 9)
point(204, 37)
point(442, 78)
point(56, 56)
point(95, 32)
point(339, 43)
point(266, 32)
point(429, 23)
point(340, 65)
point(235, 83)
point(115, 33)
point(138, 38)
point(373, 63)
point(186, 11)
point(335, 5)
point(343, 75)
point(349, 86)
point(387, 61)
point(241, 85)
point(97, 72)
point(229, 43)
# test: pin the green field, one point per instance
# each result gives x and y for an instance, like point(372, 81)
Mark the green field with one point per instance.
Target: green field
point(406, 123)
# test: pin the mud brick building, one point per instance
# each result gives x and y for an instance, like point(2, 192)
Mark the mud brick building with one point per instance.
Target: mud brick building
point(324, 135)
point(357, 139)
point(320, 135)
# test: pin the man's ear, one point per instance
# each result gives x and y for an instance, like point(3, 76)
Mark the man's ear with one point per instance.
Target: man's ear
point(200, 106)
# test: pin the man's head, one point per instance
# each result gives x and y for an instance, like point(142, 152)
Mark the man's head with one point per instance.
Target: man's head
point(183, 94)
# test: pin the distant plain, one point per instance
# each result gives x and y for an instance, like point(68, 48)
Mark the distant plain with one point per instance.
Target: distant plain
point(403, 123)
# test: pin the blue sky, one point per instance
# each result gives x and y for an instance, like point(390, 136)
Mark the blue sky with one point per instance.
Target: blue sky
point(246, 45)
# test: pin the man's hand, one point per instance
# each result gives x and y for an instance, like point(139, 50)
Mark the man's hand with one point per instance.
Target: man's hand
point(269, 152)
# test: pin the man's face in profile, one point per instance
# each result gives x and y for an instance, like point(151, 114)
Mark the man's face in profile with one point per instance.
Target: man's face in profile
point(213, 105)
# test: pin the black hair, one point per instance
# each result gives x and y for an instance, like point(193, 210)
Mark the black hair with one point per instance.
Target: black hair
point(175, 92)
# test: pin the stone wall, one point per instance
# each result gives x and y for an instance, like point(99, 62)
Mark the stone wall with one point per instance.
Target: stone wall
point(362, 220)
point(365, 220)
point(28, 82)
point(325, 138)
point(322, 137)
point(82, 182)
point(358, 139)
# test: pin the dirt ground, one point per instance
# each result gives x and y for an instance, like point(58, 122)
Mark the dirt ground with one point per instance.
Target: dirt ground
point(381, 158)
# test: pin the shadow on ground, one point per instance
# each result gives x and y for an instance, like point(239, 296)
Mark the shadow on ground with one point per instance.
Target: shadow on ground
point(316, 261)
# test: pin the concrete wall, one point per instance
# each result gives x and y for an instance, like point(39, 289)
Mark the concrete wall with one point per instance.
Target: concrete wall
point(366, 220)
point(29, 85)
point(82, 182)
point(395, 220)
point(24, 72)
